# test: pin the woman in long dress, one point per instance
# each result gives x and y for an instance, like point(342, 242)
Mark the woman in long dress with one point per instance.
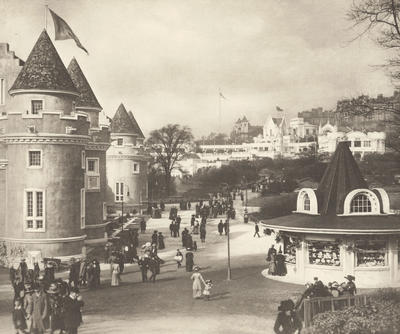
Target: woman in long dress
point(197, 279)
point(272, 265)
point(115, 277)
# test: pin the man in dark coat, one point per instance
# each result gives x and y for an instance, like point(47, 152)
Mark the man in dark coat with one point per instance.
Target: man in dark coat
point(220, 227)
point(171, 228)
point(189, 261)
point(178, 224)
point(72, 311)
point(143, 268)
point(23, 269)
point(74, 273)
point(154, 238)
point(287, 321)
point(185, 233)
point(226, 227)
point(142, 226)
point(256, 230)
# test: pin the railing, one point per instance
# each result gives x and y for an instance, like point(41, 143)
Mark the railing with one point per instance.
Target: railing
point(310, 307)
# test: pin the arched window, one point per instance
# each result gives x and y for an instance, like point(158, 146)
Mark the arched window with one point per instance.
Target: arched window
point(306, 202)
point(361, 203)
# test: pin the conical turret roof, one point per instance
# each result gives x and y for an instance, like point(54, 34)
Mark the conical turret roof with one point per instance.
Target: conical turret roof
point(44, 70)
point(340, 177)
point(86, 99)
point(138, 131)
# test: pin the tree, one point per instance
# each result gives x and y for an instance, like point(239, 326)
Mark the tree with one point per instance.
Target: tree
point(381, 18)
point(169, 145)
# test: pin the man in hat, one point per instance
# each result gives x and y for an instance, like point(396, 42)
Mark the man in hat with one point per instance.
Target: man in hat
point(74, 273)
point(55, 308)
point(256, 230)
point(154, 238)
point(72, 311)
point(143, 267)
point(40, 310)
point(220, 227)
point(351, 286)
point(287, 321)
point(189, 260)
point(23, 269)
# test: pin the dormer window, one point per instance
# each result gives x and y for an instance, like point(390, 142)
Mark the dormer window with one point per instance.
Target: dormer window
point(360, 203)
point(36, 106)
point(120, 141)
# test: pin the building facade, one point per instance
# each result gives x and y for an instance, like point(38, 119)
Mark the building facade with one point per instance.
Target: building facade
point(127, 163)
point(44, 137)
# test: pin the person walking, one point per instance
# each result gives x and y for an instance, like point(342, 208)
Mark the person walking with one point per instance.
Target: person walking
point(226, 227)
point(189, 261)
point(40, 311)
point(178, 258)
point(256, 230)
point(171, 228)
point(142, 226)
point(115, 276)
point(154, 237)
point(74, 273)
point(287, 321)
point(161, 244)
point(143, 268)
point(18, 316)
point(72, 311)
point(220, 227)
point(280, 264)
point(203, 233)
point(178, 224)
point(198, 280)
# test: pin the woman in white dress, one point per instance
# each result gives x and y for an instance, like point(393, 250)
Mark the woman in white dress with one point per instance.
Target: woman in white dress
point(197, 279)
point(115, 277)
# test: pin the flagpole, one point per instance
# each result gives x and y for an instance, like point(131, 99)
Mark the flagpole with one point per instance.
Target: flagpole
point(219, 110)
point(46, 7)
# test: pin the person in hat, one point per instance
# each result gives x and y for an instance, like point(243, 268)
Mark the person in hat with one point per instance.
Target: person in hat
point(72, 311)
point(18, 316)
point(23, 269)
point(207, 289)
point(154, 237)
point(287, 321)
point(115, 274)
point(178, 258)
point(189, 260)
point(49, 275)
point(55, 308)
point(350, 285)
point(40, 310)
point(142, 263)
point(198, 280)
point(161, 244)
point(220, 227)
point(74, 273)
point(280, 263)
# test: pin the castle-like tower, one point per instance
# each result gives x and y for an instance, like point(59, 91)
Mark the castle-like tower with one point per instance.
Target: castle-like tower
point(46, 143)
point(126, 163)
point(93, 158)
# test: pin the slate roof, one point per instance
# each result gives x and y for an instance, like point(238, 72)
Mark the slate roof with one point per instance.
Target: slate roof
point(341, 176)
point(86, 96)
point(138, 131)
point(44, 69)
point(124, 122)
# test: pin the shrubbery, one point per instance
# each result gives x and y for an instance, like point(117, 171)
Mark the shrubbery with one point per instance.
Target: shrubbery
point(380, 316)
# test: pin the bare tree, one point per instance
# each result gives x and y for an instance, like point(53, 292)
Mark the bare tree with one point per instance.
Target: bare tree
point(169, 145)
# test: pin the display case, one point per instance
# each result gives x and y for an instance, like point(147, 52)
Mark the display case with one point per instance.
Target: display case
point(371, 253)
point(289, 248)
point(324, 253)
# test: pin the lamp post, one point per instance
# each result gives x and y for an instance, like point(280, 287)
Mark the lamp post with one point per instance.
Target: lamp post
point(229, 277)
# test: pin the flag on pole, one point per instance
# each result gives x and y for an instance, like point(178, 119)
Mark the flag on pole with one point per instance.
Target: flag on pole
point(222, 95)
point(278, 108)
point(63, 31)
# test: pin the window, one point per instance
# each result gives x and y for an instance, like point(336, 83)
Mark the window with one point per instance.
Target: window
point(120, 141)
point(357, 142)
point(83, 159)
point(36, 106)
point(119, 192)
point(34, 210)
point(2, 91)
point(325, 253)
point(371, 253)
point(34, 158)
point(367, 143)
point(92, 174)
point(136, 168)
point(361, 203)
point(83, 208)
point(306, 203)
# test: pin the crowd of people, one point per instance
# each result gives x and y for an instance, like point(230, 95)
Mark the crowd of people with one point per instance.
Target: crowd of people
point(43, 302)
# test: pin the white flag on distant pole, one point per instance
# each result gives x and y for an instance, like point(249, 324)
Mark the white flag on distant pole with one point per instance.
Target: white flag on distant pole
point(222, 95)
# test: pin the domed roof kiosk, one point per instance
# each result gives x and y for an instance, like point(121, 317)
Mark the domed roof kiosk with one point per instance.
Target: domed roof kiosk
point(342, 227)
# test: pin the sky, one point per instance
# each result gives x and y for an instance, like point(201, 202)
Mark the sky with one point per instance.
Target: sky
point(166, 60)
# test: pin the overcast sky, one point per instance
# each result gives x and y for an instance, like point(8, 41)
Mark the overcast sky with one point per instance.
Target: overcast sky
point(166, 59)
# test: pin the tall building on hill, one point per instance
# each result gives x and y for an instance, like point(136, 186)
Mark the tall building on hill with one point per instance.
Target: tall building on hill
point(317, 116)
point(46, 142)
point(243, 131)
point(126, 163)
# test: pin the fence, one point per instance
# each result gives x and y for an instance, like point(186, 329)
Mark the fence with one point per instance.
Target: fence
point(311, 307)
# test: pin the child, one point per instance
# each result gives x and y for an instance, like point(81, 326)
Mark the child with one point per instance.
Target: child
point(207, 289)
point(18, 315)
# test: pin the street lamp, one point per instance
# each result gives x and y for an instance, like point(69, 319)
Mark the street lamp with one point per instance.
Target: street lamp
point(122, 204)
point(229, 253)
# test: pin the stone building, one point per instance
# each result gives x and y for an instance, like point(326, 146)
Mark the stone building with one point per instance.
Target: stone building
point(126, 163)
point(46, 141)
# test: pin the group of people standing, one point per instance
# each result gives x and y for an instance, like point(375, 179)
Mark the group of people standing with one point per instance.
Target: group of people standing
point(276, 262)
point(43, 302)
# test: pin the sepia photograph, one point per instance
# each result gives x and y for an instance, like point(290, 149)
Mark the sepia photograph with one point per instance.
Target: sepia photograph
point(200, 166)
